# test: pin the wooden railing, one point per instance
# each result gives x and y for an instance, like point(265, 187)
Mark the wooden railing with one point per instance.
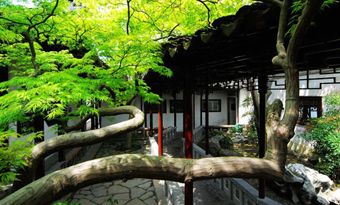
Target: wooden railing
point(237, 190)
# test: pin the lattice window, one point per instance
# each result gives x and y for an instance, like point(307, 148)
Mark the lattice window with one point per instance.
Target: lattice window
point(214, 105)
point(310, 107)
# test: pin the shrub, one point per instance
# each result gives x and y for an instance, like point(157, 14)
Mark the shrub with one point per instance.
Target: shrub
point(325, 132)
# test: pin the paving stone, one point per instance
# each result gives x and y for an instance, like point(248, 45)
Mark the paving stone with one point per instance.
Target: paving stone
point(74, 200)
point(100, 191)
point(78, 196)
point(132, 183)
point(86, 202)
point(122, 201)
point(137, 192)
point(121, 196)
point(100, 200)
point(89, 197)
point(85, 192)
point(146, 195)
point(96, 186)
point(146, 185)
point(135, 202)
point(117, 189)
point(150, 201)
point(107, 184)
point(152, 188)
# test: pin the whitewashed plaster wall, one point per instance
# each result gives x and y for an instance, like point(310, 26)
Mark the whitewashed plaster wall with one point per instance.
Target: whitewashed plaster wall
point(243, 94)
point(215, 118)
point(325, 89)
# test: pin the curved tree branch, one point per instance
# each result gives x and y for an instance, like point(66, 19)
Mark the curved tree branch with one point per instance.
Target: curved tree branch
point(113, 94)
point(26, 24)
point(280, 47)
point(208, 9)
point(47, 17)
point(128, 166)
point(310, 10)
point(129, 17)
point(71, 140)
point(30, 40)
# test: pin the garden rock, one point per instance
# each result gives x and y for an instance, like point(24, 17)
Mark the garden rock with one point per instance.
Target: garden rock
point(307, 185)
point(220, 146)
point(335, 197)
point(226, 152)
point(226, 143)
point(214, 145)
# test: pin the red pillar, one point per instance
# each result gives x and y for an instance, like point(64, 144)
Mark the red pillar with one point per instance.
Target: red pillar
point(207, 148)
point(189, 199)
point(151, 123)
point(262, 138)
point(160, 129)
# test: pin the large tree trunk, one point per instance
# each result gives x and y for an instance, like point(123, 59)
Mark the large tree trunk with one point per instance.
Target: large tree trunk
point(128, 166)
point(71, 140)
point(280, 132)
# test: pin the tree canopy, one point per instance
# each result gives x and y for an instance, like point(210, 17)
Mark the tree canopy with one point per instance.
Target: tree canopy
point(59, 57)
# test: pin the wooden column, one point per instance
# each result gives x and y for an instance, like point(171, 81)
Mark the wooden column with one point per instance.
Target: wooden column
point(100, 118)
point(193, 110)
point(38, 125)
point(201, 115)
point(160, 129)
point(151, 123)
point(61, 154)
point(262, 137)
point(175, 110)
point(188, 135)
point(207, 148)
point(184, 99)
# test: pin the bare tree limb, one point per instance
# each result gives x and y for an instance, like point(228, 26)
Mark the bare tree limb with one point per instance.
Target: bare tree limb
point(47, 17)
point(274, 2)
point(205, 5)
point(129, 17)
point(129, 166)
point(310, 10)
point(113, 94)
point(280, 47)
point(26, 24)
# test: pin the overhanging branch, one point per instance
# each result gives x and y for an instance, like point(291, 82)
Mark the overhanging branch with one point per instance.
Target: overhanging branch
point(128, 166)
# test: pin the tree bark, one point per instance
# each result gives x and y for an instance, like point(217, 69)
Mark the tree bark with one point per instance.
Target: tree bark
point(129, 166)
point(72, 140)
point(280, 132)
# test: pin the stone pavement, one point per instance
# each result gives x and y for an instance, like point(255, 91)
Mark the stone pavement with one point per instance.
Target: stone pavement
point(140, 191)
point(132, 192)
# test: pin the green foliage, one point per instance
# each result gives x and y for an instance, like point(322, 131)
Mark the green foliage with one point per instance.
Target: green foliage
point(68, 202)
point(14, 157)
point(60, 59)
point(333, 104)
point(326, 134)
point(249, 130)
point(296, 10)
point(112, 202)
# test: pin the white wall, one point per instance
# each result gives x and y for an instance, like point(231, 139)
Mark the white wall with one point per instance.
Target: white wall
point(215, 118)
point(243, 94)
point(325, 89)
